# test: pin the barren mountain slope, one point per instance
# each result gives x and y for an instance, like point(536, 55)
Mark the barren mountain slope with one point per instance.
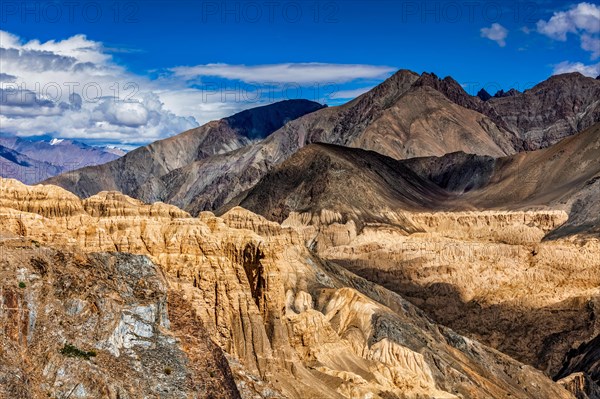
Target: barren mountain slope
point(159, 158)
point(541, 116)
point(98, 326)
point(563, 176)
point(394, 118)
point(551, 110)
point(424, 122)
point(407, 115)
point(362, 185)
point(289, 321)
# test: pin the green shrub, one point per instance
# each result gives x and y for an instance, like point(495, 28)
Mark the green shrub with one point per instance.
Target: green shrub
point(22, 284)
point(72, 351)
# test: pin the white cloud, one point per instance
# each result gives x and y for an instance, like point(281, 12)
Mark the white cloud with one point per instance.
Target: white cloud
point(8, 40)
point(496, 32)
point(137, 122)
point(591, 44)
point(349, 94)
point(582, 20)
point(587, 70)
point(72, 88)
point(300, 73)
point(583, 17)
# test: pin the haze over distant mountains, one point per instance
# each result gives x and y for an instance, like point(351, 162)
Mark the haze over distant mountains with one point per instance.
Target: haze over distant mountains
point(32, 161)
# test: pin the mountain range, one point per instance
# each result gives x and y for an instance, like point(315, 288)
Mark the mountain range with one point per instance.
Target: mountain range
point(416, 242)
point(408, 115)
point(32, 161)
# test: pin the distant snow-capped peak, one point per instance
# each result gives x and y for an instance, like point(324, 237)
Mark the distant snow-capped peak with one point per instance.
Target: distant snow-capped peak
point(56, 141)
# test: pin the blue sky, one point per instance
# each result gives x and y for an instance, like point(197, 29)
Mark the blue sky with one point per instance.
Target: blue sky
point(176, 64)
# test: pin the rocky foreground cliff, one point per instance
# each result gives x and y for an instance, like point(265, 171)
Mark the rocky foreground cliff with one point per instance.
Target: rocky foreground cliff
point(99, 325)
point(290, 320)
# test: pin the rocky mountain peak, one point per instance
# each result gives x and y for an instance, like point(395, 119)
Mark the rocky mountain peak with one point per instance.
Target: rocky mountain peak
point(483, 94)
point(511, 92)
point(387, 92)
point(451, 89)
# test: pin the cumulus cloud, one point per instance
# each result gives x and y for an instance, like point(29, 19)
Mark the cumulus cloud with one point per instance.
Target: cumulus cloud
point(587, 70)
point(583, 17)
point(299, 73)
point(73, 89)
point(496, 32)
point(135, 122)
point(581, 20)
point(8, 40)
point(591, 44)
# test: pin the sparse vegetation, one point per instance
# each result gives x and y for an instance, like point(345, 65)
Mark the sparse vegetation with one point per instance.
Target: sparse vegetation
point(168, 371)
point(72, 351)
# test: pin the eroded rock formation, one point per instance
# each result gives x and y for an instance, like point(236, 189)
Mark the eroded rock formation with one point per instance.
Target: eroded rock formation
point(489, 275)
point(293, 325)
point(81, 325)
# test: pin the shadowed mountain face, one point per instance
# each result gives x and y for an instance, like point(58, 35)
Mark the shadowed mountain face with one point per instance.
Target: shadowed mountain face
point(357, 183)
point(145, 165)
point(363, 184)
point(563, 176)
point(258, 123)
point(33, 161)
point(541, 116)
point(550, 111)
point(456, 172)
point(14, 165)
point(406, 116)
point(585, 358)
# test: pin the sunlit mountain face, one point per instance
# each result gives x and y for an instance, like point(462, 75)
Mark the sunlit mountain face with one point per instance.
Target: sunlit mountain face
point(329, 199)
